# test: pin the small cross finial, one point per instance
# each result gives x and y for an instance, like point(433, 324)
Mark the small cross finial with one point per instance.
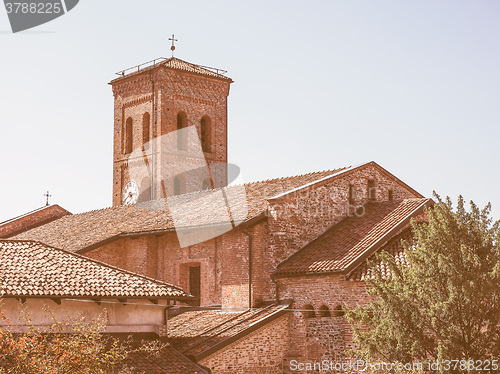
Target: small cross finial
point(172, 48)
point(47, 195)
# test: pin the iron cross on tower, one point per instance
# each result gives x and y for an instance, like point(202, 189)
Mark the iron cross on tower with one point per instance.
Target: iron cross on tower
point(47, 195)
point(172, 48)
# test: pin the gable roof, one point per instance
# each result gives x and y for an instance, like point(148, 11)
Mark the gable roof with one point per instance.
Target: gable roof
point(85, 230)
point(173, 63)
point(166, 361)
point(393, 247)
point(33, 269)
point(347, 244)
point(202, 332)
point(31, 220)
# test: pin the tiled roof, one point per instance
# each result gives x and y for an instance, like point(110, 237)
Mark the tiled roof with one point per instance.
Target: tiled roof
point(176, 64)
point(394, 247)
point(167, 361)
point(79, 231)
point(197, 332)
point(352, 239)
point(29, 268)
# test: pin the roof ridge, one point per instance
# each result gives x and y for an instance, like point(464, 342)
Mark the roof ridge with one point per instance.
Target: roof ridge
point(296, 175)
point(346, 220)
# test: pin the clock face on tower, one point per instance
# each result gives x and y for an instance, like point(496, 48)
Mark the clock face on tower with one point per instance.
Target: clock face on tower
point(130, 193)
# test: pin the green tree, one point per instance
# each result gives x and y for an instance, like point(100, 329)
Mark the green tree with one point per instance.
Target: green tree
point(445, 305)
point(86, 350)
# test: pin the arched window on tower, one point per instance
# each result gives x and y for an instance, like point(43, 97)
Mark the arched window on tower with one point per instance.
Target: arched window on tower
point(181, 136)
point(206, 134)
point(128, 135)
point(179, 185)
point(145, 190)
point(146, 125)
point(309, 312)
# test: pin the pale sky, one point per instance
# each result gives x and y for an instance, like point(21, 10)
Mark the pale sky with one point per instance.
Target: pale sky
point(412, 85)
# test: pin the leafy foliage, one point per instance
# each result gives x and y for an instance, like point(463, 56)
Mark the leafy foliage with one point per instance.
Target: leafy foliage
point(52, 350)
point(445, 305)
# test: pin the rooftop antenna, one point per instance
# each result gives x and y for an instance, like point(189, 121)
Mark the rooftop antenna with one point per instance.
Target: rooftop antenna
point(47, 195)
point(172, 48)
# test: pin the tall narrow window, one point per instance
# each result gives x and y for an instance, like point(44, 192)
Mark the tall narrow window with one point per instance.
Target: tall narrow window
point(206, 134)
point(195, 282)
point(181, 136)
point(371, 190)
point(128, 135)
point(179, 185)
point(146, 125)
point(145, 190)
point(391, 197)
point(351, 194)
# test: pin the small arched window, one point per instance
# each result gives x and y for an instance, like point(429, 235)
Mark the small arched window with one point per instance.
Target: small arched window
point(324, 311)
point(206, 134)
point(181, 136)
point(206, 184)
point(145, 190)
point(146, 125)
point(309, 311)
point(338, 311)
point(179, 185)
point(128, 135)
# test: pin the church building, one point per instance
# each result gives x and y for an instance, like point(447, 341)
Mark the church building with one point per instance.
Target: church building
point(271, 265)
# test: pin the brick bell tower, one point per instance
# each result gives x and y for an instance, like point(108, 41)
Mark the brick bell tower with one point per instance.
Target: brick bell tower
point(168, 112)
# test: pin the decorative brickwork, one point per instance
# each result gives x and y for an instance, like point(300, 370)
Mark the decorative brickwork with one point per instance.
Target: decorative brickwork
point(163, 92)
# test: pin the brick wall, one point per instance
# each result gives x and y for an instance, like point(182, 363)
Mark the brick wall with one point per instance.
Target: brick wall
point(261, 352)
point(162, 258)
point(320, 338)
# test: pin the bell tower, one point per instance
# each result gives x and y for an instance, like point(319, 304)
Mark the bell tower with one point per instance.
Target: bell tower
point(170, 130)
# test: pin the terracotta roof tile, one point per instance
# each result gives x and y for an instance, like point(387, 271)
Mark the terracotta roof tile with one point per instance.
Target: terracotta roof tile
point(351, 238)
point(167, 361)
point(79, 231)
point(29, 268)
point(178, 64)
